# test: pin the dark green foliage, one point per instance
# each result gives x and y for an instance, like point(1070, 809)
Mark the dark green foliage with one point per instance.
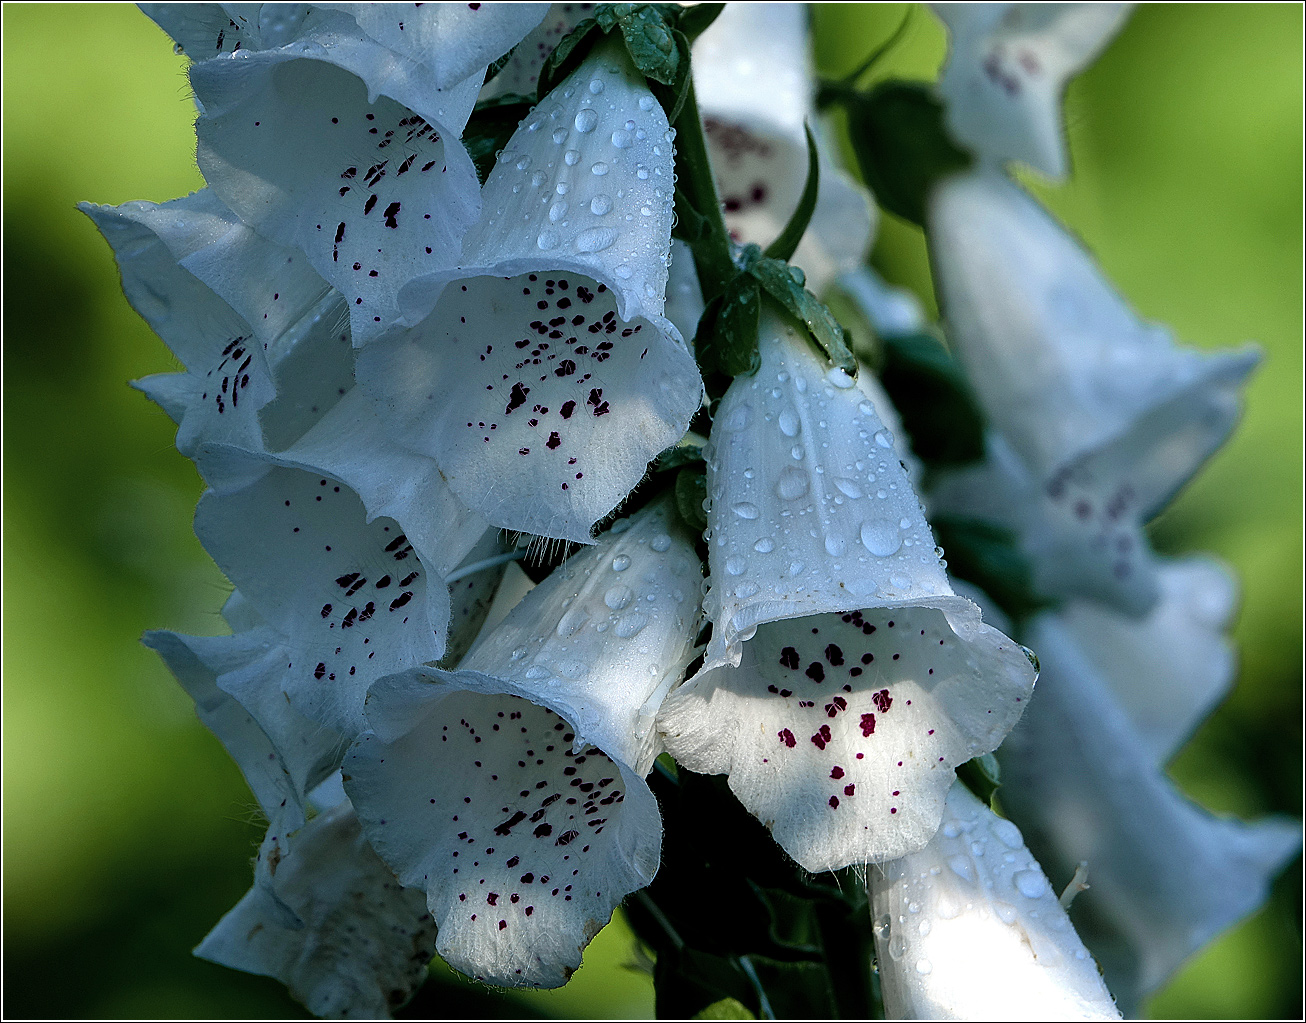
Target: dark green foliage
point(935, 400)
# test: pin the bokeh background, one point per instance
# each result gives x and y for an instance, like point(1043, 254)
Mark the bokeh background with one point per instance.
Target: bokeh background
point(127, 832)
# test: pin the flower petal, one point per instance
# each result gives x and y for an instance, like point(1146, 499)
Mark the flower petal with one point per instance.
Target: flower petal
point(811, 508)
point(327, 919)
point(296, 149)
point(1169, 670)
point(523, 845)
point(352, 599)
point(968, 928)
point(685, 304)
point(753, 78)
point(521, 75)
point(841, 732)
point(1166, 876)
point(1007, 70)
point(1062, 365)
point(457, 40)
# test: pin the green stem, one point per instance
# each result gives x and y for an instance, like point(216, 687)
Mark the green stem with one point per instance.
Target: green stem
point(712, 254)
point(655, 911)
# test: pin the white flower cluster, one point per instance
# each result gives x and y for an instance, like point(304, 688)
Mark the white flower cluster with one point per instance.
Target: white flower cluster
point(389, 365)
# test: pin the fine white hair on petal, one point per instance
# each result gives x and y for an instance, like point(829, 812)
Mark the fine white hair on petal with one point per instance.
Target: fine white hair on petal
point(1166, 876)
point(969, 928)
point(1007, 71)
point(545, 377)
point(754, 81)
point(328, 919)
point(844, 680)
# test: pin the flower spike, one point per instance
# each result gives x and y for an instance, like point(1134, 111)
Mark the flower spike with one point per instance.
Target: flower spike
point(1105, 415)
point(844, 680)
point(968, 928)
point(1008, 66)
point(511, 790)
point(546, 377)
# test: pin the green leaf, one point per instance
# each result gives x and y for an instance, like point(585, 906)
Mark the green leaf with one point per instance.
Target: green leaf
point(690, 225)
point(786, 245)
point(726, 1008)
point(982, 776)
point(567, 55)
point(989, 557)
point(691, 492)
point(902, 148)
point(490, 127)
point(938, 407)
point(687, 451)
point(726, 341)
point(694, 21)
point(649, 40)
point(785, 284)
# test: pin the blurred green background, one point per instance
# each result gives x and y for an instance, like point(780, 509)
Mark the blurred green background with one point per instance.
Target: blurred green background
point(127, 832)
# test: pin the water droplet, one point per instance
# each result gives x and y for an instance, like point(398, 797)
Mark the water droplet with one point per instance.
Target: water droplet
point(595, 239)
point(660, 543)
point(647, 103)
point(745, 590)
point(600, 205)
point(562, 187)
point(924, 966)
point(900, 582)
point(764, 546)
point(524, 163)
point(618, 597)
point(587, 120)
point(880, 537)
point(882, 926)
point(962, 867)
point(599, 169)
point(795, 567)
point(571, 157)
point(1030, 883)
point(792, 484)
point(835, 545)
point(547, 239)
point(556, 212)
point(904, 523)
point(839, 378)
point(884, 438)
point(536, 671)
point(621, 562)
point(621, 138)
point(519, 653)
point(596, 86)
point(1007, 914)
point(789, 423)
point(630, 624)
point(735, 566)
point(570, 623)
point(736, 419)
point(572, 669)
point(924, 927)
point(539, 178)
point(848, 488)
point(642, 173)
point(560, 136)
point(897, 947)
point(1006, 833)
point(745, 510)
point(796, 452)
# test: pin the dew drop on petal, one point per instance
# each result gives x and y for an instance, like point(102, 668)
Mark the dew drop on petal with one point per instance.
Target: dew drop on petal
point(764, 546)
point(792, 484)
point(547, 240)
point(789, 423)
point(600, 205)
point(599, 169)
point(745, 510)
point(595, 239)
point(586, 120)
point(735, 566)
point(1030, 883)
point(571, 157)
point(630, 624)
point(621, 562)
point(880, 537)
point(647, 103)
point(618, 597)
point(660, 543)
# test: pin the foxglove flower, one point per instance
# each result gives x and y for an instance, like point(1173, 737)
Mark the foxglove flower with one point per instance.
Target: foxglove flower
point(844, 680)
point(328, 919)
point(1100, 417)
point(1007, 70)
point(968, 928)
point(1083, 774)
point(521, 74)
point(754, 80)
point(546, 376)
point(337, 133)
point(511, 790)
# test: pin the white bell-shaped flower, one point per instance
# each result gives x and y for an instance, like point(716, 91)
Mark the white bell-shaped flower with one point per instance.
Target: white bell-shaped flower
point(969, 928)
point(328, 919)
point(844, 680)
point(1007, 71)
point(546, 376)
point(1105, 414)
point(754, 81)
point(1083, 776)
point(512, 789)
